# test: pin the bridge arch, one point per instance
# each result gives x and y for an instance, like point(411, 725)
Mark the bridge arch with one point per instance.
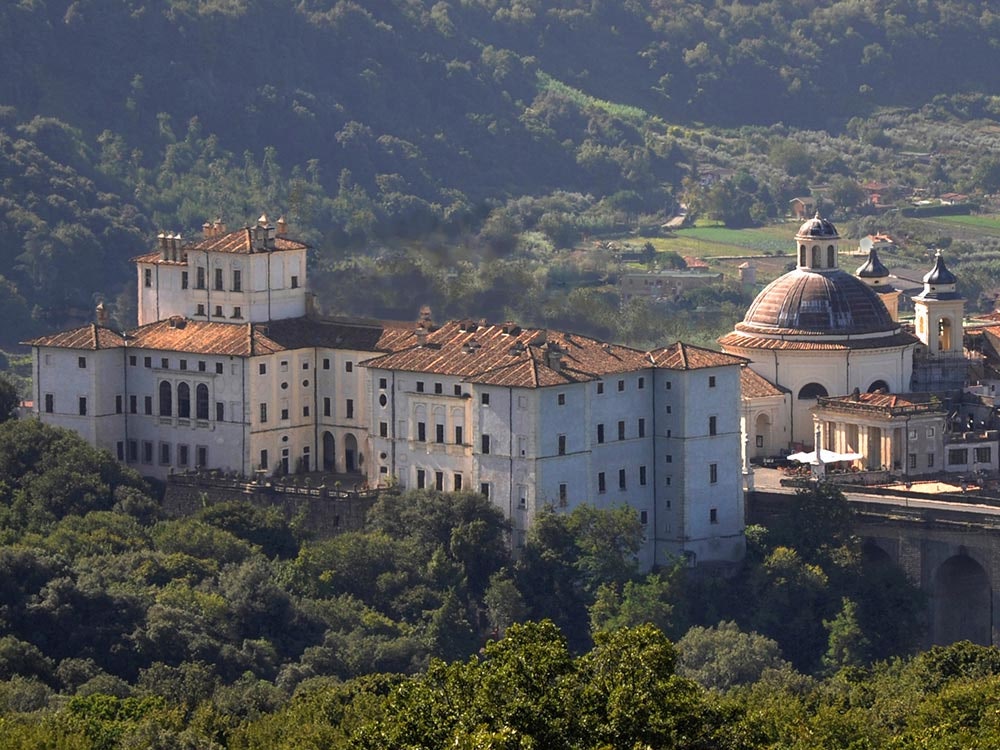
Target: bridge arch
point(961, 602)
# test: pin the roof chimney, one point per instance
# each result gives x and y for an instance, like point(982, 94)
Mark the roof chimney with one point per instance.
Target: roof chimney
point(101, 315)
point(164, 242)
point(282, 226)
point(421, 334)
point(553, 356)
point(206, 230)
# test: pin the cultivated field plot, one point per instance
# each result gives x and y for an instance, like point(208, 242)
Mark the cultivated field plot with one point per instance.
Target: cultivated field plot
point(713, 242)
point(965, 227)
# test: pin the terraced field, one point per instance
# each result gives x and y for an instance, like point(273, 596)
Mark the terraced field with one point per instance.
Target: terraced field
point(712, 242)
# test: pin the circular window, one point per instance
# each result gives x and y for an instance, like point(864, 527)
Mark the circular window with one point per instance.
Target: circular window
point(284, 386)
point(382, 456)
point(284, 438)
point(305, 383)
point(382, 400)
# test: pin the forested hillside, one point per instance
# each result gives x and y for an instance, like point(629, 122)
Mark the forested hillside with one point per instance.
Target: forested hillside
point(473, 121)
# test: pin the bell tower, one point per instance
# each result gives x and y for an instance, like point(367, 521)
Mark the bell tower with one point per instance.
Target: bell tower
point(938, 313)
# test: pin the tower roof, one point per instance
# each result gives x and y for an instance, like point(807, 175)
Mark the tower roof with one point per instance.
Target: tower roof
point(873, 267)
point(818, 228)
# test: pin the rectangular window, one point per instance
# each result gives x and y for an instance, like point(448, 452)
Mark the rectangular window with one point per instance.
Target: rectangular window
point(164, 363)
point(600, 388)
point(930, 460)
point(668, 385)
point(202, 366)
point(218, 311)
point(601, 484)
point(712, 425)
point(420, 386)
point(642, 427)
point(327, 404)
point(218, 368)
point(133, 451)
point(621, 429)
point(485, 444)
point(438, 388)
point(201, 456)
point(911, 460)
point(562, 445)
point(642, 476)
point(713, 473)
point(484, 399)
point(147, 277)
point(118, 405)
point(132, 361)
point(439, 481)
point(711, 381)
point(147, 405)
point(439, 433)
point(295, 282)
point(563, 490)
point(81, 362)
point(262, 369)
point(200, 311)
point(621, 479)
point(458, 434)
point(50, 403)
point(284, 413)
point(184, 364)
point(133, 404)
point(643, 517)
point(164, 453)
point(184, 279)
point(457, 482)
point(263, 460)
point(182, 455)
point(326, 363)
point(237, 281)
point(670, 409)
point(713, 515)
point(422, 432)
point(669, 459)
point(621, 386)
point(349, 408)
point(83, 406)
point(263, 413)
point(218, 279)
point(348, 367)
point(600, 433)
point(421, 479)
point(561, 399)
point(930, 432)
point(984, 455)
point(383, 429)
point(484, 489)
point(200, 277)
point(383, 383)
point(958, 456)
point(457, 390)
point(220, 411)
point(642, 383)
point(147, 451)
point(237, 312)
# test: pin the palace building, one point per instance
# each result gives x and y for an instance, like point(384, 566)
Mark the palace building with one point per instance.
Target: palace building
point(231, 369)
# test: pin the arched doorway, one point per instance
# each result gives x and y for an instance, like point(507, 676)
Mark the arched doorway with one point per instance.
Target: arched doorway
point(762, 436)
point(961, 603)
point(329, 452)
point(350, 453)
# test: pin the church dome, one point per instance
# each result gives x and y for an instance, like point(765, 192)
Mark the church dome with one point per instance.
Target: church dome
point(832, 303)
point(818, 228)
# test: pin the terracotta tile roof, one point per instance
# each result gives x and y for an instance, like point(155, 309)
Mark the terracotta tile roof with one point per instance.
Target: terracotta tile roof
point(508, 355)
point(681, 356)
point(755, 385)
point(238, 241)
point(760, 342)
point(885, 403)
point(196, 337)
point(90, 337)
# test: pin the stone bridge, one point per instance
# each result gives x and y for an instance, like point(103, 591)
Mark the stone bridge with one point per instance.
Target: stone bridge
point(949, 548)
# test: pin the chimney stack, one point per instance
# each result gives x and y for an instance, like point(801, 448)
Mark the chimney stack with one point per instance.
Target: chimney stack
point(282, 226)
point(101, 315)
point(163, 239)
point(421, 334)
point(554, 356)
point(206, 230)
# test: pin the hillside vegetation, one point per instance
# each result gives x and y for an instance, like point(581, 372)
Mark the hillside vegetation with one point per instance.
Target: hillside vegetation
point(465, 125)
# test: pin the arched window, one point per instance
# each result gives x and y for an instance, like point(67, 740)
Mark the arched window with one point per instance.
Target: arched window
point(944, 335)
point(817, 259)
point(184, 401)
point(878, 385)
point(802, 255)
point(831, 256)
point(812, 390)
point(166, 405)
point(201, 396)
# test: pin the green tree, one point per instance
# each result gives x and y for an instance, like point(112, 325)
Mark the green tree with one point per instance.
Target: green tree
point(9, 399)
point(724, 656)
